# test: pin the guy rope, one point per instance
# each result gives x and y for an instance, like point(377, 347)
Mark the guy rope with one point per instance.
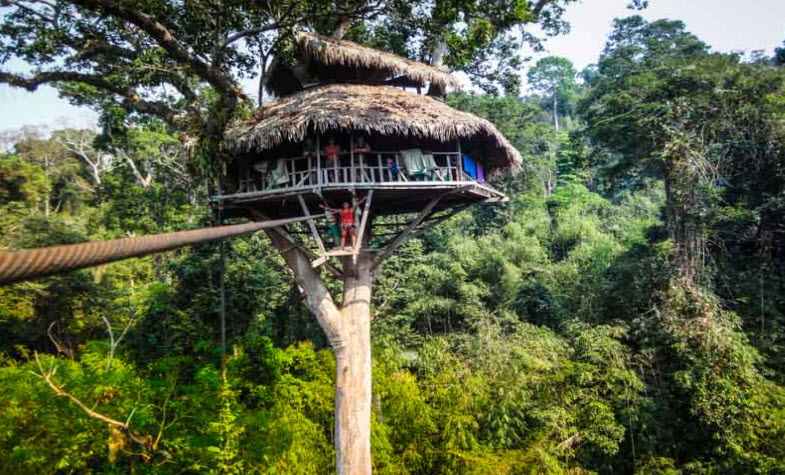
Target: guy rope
point(27, 264)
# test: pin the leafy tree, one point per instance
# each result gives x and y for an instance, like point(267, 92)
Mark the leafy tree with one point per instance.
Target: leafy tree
point(779, 55)
point(667, 108)
point(555, 77)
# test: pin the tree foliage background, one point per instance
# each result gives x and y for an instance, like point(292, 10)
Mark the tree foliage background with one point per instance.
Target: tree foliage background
point(623, 313)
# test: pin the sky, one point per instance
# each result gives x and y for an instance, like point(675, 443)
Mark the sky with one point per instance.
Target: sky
point(726, 25)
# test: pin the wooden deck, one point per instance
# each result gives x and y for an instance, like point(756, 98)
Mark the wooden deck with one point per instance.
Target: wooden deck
point(306, 182)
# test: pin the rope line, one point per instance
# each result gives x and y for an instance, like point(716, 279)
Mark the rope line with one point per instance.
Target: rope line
point(28, 264)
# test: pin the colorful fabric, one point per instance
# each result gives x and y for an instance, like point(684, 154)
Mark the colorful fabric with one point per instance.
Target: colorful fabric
point(470, 166)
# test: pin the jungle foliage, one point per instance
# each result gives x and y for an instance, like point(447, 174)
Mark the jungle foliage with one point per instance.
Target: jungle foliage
point(623, 313)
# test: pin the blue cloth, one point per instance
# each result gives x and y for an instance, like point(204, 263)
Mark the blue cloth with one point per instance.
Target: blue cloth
point(469, 166)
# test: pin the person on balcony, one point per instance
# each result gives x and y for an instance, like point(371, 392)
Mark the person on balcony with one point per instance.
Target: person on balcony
point(309, 150)
point(361, 146)
point(331, 152)
point(392, 166)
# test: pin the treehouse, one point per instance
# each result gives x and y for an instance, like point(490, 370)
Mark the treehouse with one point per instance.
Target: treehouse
point(351, 122)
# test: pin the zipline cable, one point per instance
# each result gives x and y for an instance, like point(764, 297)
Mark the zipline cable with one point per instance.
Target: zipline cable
point(27, 264)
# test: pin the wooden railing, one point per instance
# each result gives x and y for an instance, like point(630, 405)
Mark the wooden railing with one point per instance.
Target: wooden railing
point(349, 169)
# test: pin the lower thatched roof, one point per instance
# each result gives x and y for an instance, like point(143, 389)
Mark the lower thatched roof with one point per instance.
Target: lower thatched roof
point(381, 110)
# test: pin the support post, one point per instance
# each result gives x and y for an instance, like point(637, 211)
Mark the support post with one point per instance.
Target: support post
point(318, 161)
point(460, 162)
point(363, 222)
point(351, 158)
point(312, 225)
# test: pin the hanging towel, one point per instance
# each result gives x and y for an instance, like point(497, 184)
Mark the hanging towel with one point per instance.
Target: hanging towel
point(470, 166)
point(480, 173)
point(428, 162)
point(278, 176)
point(413, 161)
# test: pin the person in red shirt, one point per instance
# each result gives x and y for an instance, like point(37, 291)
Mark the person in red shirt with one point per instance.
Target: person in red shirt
point(346, 219)
point(331, 151)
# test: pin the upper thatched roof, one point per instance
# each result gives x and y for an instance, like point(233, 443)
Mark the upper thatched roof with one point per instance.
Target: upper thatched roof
point(381, 110)
point(330, 51)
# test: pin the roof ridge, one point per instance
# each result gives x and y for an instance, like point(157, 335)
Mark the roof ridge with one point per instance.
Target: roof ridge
point(349, 53)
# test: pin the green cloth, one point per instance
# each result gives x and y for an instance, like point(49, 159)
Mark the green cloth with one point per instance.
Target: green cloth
point(334, 232)
point(278, 176)
point(415, 162)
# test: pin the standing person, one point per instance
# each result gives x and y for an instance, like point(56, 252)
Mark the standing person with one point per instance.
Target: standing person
point(361, 145)
point(392, 165)
point(359, 148)
point(331, 153)
point(347, 220)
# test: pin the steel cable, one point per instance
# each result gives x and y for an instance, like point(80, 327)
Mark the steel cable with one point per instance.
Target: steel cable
point(28, 264)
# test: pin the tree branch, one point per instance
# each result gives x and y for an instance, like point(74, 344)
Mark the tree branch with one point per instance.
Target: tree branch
point(143, 440)
point(131, 99)
point(161, 34)
point(253, 31)
point(318, 298)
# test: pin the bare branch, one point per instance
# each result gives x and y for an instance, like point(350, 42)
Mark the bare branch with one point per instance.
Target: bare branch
point(61, 348)
point(145, 441)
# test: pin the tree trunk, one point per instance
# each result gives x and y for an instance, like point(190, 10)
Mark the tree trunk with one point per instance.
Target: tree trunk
point(348, 330)
point(438, 52)
point(555, 111)
point(353, 371)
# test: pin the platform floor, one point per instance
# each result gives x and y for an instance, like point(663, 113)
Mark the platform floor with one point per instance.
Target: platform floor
point(388, 198)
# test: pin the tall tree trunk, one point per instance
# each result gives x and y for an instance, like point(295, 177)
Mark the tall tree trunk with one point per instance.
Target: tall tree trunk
point(353, 371)
point(348, 330)
point(555, 111)
point(438, 52)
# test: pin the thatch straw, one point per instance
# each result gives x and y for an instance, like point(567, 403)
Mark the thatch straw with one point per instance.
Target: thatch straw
point(381, 110)
point(331, 51)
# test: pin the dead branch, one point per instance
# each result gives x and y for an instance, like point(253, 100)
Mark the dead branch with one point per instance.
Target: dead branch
point(145, 441)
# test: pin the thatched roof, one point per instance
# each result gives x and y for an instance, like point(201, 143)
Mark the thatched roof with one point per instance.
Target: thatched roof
point(383, 110)
point(333, 52)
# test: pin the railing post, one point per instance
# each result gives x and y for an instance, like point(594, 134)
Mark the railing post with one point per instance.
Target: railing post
point(351, 158)
point(460, 162)
point(318, 162)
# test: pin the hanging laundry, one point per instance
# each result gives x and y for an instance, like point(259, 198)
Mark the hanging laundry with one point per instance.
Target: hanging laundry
point(470, 166)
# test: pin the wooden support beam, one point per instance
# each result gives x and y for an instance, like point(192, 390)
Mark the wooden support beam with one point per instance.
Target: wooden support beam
point(407, 233)
point(281, 231)
point(363, 221)
point(428, 222)
point(332, 269)
point(318, 162)
point(311, 225)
